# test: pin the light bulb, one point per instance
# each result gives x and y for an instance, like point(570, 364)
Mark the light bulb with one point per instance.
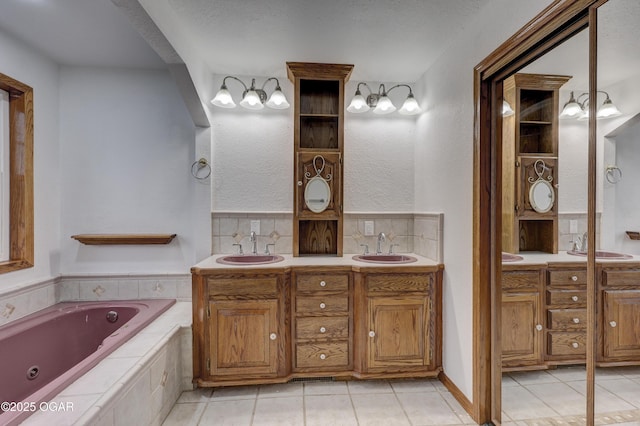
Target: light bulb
point(410, 106)
point(251, 100)
point(384, 106)
point(277, 100)
point(506, 109)
point(223, 98)
point(358, 104)
point(608, 110)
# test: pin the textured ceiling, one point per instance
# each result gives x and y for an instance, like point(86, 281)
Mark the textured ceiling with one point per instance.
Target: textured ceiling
point(387, 40)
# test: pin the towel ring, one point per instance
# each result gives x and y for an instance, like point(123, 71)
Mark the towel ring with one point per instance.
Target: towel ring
point(198, 165)
point(613, 174)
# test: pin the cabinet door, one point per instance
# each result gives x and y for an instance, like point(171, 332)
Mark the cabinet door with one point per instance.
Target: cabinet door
point(529, 173)
point(621, 325)
point(243, 337)
point(315, 172)
point(399, 333)
point(521, 329)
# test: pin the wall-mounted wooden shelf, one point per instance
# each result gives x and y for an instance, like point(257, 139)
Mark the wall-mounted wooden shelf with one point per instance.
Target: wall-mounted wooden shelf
point(123, 239)
point(633, 235)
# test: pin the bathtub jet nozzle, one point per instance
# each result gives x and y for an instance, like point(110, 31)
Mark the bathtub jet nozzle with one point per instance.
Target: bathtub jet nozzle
point(112, 316)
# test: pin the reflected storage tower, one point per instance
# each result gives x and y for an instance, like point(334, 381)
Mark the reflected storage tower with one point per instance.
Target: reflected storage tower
point(318, 156)
point(530, 163)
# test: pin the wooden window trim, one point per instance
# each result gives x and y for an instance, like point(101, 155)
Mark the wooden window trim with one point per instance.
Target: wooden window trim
point(20, 174)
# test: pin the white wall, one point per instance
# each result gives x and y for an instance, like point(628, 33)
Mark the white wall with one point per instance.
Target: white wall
point(444, 167)
point(253, 158)
point(32, 68)
point(127, 145)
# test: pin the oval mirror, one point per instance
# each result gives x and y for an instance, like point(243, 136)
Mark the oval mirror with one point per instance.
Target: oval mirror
point(317, 194)
point(541, 196)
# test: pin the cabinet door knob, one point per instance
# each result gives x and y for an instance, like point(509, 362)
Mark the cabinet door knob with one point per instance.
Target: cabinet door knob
point(574, 298)
point(539, 327)
point(323, 330)
point(299, 183)
point(575, 344)
point(322, 306)
point(613, 323)
point(323, 356)
point(372, 333)
point(574, 278)
point(323, 283)
point(273, 336)
point(576, 320)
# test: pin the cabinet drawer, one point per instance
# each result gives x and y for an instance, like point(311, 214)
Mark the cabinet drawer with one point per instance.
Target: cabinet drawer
point(568, 277)
point(309, 305)
point(559, 343)
point(622, 278)
point(567, 297)
point(567, 319)
point(322, 355)
point(322, 328)
point(520, 280)
point(385, 283)
point(243, 287)
point(322, 282)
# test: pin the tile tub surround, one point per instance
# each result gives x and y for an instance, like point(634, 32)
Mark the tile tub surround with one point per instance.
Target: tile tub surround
point(419, 233)
point(136, 384)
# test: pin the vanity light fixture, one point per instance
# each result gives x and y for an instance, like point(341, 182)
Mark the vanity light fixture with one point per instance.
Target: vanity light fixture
point(381, 103)
point(580, 110)
point(252, 98)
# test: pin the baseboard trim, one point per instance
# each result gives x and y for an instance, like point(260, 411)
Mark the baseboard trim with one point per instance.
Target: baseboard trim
point(456, 392)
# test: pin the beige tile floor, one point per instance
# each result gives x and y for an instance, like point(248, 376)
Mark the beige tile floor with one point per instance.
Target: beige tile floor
point(322, 403)
point(554, 397)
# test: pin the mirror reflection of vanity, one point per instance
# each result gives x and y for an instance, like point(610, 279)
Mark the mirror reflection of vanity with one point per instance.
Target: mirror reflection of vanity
point(529, 158)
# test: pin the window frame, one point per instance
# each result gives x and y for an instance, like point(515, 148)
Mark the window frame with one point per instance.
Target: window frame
point(21, 229)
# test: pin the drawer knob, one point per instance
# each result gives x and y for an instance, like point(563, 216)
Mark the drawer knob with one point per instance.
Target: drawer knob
point(323, 330)
point(575, 345)
point(323, 283)
point(574, 298)
point(539, 327)
point(574, 278)
point(372, 333)
point(273, 336)
point(576, 320)
point(322, 306)
point(613, 324)
point(323, 356)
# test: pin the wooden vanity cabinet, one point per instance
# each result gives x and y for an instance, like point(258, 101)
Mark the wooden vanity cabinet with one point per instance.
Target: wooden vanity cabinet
point(399, 328)
point(566, 314)
point(521, 317)
point(239, 331)
point(620, 315)
point(321, 325)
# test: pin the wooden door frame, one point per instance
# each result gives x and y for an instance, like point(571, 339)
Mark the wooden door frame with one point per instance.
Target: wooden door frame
point(559, 21)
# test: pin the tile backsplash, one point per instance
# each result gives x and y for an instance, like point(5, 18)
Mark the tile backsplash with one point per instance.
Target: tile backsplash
point(420, 233)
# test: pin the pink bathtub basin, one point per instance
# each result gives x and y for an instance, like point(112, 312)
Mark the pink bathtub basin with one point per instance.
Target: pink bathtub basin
point(46, 351)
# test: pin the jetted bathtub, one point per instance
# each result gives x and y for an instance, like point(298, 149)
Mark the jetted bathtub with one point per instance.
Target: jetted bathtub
point(44, 352)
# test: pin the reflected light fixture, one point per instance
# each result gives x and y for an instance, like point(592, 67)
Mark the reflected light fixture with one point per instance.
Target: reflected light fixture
point(252, 98)
point(381, 103)
point(506, 109)
point(580, 110)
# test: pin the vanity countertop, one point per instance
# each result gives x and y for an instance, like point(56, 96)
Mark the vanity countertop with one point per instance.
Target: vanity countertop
point(290, 261)
point(540, 258)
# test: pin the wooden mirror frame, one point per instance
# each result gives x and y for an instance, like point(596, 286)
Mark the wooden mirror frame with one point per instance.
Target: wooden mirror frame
point(559, 21)
point(20, 174)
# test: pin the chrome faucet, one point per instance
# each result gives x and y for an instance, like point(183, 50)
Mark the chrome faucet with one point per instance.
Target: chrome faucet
point(254, 242)
point(381, 238)
point(583, 245)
